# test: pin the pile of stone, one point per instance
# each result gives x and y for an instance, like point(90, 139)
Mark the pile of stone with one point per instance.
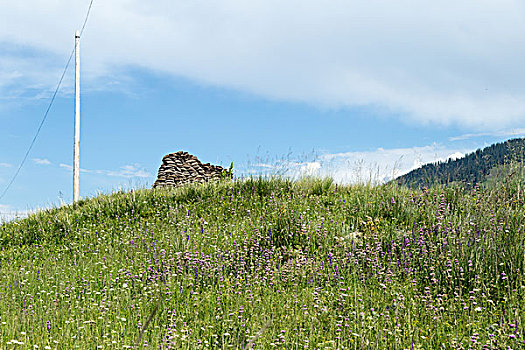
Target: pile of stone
point(182, 168)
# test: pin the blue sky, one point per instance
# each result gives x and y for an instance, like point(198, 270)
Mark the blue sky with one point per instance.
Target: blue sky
point(348, 89)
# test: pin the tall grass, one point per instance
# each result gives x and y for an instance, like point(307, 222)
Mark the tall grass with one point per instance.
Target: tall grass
point(268, 263)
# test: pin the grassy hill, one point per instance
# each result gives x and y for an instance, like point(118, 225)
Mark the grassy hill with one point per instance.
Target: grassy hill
point(268, 264)
point(472, 169)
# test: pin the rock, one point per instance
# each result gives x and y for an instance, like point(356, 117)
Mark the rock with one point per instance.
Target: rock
point(181, 168)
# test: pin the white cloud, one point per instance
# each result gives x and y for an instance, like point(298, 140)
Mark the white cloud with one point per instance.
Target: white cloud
point(310, 168)
point(440, 62)
point(375, 166)
point(70, 168)
point(264, 165)
point(130, 171)
point(385, 164)
point(126, 171)
point(8, 213)
point(6, 165)
point(41, 161)
point(455, 155)
point(498, 133)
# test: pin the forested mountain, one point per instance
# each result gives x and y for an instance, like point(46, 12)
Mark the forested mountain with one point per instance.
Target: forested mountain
point(470, 170)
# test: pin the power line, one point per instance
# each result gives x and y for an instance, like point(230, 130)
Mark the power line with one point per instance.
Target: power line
point(39, 127)
point(86, 19)
point(48, 107)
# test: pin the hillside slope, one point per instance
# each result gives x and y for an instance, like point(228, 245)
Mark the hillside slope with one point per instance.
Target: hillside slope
point(267, 264)
point(469, 170)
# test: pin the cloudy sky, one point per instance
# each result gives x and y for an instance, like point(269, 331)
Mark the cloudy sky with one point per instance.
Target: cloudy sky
point(341, 88)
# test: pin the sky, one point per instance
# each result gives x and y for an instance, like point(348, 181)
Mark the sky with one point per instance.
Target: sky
point(358, 90)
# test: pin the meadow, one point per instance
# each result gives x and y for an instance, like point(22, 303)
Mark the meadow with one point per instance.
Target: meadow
point(269, 264)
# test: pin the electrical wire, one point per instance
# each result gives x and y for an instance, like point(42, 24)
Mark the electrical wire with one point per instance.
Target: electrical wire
point(48, 108)
point(86, 19)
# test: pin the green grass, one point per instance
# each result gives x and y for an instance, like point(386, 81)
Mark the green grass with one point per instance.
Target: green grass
point(268, 263)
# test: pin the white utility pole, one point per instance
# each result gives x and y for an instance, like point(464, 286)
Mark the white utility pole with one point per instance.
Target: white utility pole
point(76, 163)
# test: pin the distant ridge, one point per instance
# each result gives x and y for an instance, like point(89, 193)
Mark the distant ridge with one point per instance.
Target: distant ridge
point(469, 170)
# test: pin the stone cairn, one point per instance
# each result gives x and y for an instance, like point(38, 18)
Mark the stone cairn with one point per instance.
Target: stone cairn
point(182, 168)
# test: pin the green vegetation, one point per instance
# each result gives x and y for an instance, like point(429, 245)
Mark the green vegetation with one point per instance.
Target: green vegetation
point(470, 170)
point(266, 264)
